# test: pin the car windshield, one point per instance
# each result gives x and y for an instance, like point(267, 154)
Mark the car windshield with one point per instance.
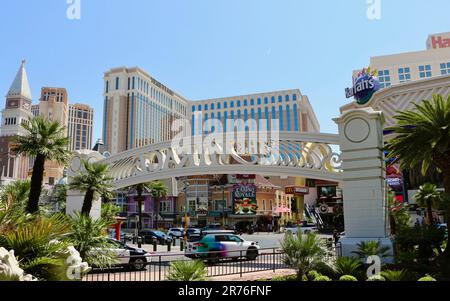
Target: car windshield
point(116, 243)
point(159, 233)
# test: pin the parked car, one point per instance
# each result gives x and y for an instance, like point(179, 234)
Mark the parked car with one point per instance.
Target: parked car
point(222, 246)
point(193, 231)
point(176, 232)
point(128, 257)
point(149, 235)
point(212, 227)
point(295, 228)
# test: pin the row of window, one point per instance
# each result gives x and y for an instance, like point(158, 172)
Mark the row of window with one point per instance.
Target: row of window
point(284, 125)
point(10, 121)
point(146, 88)
point(404, 74)
point(245, 103)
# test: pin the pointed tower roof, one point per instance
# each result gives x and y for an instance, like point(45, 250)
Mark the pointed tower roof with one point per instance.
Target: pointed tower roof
point(20, 86)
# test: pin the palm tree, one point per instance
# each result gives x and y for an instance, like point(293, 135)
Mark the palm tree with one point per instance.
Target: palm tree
point(44, 140)
point(423, 139)
point(89, 237)
point(187, 271)
point(428, 197)
point(303, 253)
point(371, 248)
point(158, 190)
point(93, 181)
point(139, 198)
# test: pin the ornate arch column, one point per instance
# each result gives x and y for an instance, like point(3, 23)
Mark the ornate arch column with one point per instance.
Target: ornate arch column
point(365, 198)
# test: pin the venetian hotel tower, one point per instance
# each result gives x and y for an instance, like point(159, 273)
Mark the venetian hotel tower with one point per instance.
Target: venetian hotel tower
point(17, 110)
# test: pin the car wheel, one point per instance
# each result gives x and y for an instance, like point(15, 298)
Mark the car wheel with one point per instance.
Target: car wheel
point(251, 254)
point(213, 258)
point(138, 263)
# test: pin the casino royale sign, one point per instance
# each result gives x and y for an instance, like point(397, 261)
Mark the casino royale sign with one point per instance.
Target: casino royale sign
point(364, 86)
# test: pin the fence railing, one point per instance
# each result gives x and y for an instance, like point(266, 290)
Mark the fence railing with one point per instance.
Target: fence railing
point(156, 267)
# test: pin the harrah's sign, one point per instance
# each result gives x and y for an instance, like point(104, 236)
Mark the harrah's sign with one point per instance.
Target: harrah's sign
point(437, 42)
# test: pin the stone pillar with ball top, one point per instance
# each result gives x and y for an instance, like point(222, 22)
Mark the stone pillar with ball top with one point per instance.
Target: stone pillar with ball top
point(365, 199)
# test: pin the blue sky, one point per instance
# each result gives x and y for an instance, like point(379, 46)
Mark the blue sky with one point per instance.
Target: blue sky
point(210, 48)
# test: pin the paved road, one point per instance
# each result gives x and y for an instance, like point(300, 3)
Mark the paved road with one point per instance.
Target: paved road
point(264, 239)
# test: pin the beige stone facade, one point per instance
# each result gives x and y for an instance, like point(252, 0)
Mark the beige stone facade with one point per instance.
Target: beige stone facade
point(80, 126)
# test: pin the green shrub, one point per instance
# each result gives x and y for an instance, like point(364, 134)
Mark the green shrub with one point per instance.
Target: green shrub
point(303, 252)
point(393, 275)
point(370, 248)
point(427, 278)
point(312, 275)
point(348, 278)
point(376, 278)
point(347, 266)
point(322, 278)
point(285, 278)
point(187, 271)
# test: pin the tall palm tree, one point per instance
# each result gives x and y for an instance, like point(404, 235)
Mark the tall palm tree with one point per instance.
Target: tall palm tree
point(93, 181)
point(139, 198)
point(44, 140)
point(157, 190)
point(428, 197)
point(423, 138)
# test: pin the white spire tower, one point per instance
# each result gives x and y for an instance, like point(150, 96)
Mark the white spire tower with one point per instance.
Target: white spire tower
point(17, 111)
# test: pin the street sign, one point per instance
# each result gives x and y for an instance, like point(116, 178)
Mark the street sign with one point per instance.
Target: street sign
point(297, 190)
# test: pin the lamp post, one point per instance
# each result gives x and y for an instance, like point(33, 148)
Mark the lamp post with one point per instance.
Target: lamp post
point(223, 205)
point(186, 208)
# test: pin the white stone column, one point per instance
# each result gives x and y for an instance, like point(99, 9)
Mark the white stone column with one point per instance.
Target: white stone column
point(75, 198)
point(364, 192)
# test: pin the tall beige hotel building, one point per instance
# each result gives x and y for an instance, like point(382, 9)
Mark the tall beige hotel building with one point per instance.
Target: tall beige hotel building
point(138, 110)
point(76, 118)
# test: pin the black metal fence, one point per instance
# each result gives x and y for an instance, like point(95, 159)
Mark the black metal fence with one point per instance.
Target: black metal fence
point(157, 267)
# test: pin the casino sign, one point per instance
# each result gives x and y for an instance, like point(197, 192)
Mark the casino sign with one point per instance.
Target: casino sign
point(364, 86)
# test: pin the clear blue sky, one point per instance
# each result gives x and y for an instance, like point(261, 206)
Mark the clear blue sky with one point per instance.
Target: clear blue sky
point(210, 48)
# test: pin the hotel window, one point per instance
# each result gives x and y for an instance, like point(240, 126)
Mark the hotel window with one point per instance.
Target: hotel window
point(218, 106)
point(212, 106)
point(239, 128)
point(425, 71)
point(445, 68)
point(272, 99)
point(288, 118)
point(287, 97)
point(252, 102)
point(199, 107)
point(129, 83)
point(132, 84)
point(264, 205)
point(266, 100)
point(245, 102)
point(294, 97)
point(280, 114)
point(225, 116)
point(404, 74)
point(193, 108)
point(384, 78)
point(107, 88)
point(271, 205)
point(259, 114)
point(238, 104)
point(258, 101)
point(225, 105)
point(280, 98)
point(232, 104)
point(295, 118)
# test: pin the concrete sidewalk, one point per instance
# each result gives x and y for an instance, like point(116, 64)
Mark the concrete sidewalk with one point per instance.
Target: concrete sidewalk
point(255, 276)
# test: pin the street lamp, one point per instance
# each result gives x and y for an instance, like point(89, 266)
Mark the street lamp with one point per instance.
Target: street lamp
point(186, 208)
